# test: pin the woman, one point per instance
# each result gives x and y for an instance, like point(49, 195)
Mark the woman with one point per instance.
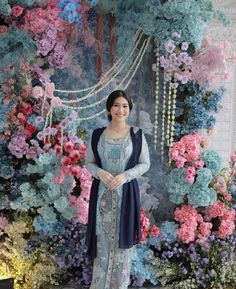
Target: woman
point(117, 155)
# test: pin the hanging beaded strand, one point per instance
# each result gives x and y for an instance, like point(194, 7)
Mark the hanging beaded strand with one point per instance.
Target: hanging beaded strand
point(156, 101)
point(168, 129)
point(172, 129)
point(163, 119)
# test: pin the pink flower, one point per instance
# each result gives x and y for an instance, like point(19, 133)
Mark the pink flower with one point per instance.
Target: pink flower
point(189, 179)
point(82, 214)
point(191, 171)
point(186, 233)
point(65, 161)
point(169, 46)
point(49, 89)
point(76, 171)
point(173, 154)
point(180, 162)
point(228, 215)
point(37, 92)
point(17, 10)
point(59, 178)
point(74, 155)
point(144, 226)
point(199, 164)
point(154, 231)
point(205, 229)
point(226, 229)
point(216, 210)
point(56, 102)
point(69, 146)
point(57, 149)
point(184, 46)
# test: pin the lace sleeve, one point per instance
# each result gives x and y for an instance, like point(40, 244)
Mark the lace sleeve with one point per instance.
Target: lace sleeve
point(143, 163)
point(90, 162)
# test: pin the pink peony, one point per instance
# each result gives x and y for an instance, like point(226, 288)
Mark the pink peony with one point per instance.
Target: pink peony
point(17, 10)
point(69, 146)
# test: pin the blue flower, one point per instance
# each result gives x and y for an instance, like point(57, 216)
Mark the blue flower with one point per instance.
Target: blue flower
point(212, 160)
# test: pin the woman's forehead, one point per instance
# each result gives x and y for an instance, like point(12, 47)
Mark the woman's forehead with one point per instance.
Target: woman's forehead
point(121, 100)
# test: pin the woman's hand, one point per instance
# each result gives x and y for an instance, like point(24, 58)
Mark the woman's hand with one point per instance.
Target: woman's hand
point(105, 176)
point(117, 181)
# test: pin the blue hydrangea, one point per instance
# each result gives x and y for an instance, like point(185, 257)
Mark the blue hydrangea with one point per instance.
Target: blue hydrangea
point(212, 161)
point(176, 185)
point(202, 196)
point(194, 108)
point(48, 229)
point(141, 267)
point(70, 11)
point(168, 230)
point(204, 177)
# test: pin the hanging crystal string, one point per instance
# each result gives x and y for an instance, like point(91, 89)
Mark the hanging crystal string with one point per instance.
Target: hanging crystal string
point(172, 127)
point(163, 121)
point(155, 126)
point(168, 129)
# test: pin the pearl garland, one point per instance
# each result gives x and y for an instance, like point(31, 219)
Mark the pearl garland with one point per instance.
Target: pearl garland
point(118, 66)
point(134, 66)
point(173, 118)
point(168, 117)
point(163, 136)
point(156, 100)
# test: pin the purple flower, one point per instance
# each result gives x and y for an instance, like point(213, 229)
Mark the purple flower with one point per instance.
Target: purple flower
point(173, 84)
point(169, 46)
point(39, 119)
point(177, 35)
point(184, 46)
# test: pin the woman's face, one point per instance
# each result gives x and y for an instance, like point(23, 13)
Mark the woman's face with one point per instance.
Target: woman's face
point(120, 109)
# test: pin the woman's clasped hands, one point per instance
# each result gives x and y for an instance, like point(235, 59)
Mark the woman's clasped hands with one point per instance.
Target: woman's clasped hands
point(112, 182)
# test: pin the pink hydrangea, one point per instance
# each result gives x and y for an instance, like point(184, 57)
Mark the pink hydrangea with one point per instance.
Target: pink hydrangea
point(187, 214)
point(205, 229)
point(59, 178)
point(216, 210)
point(229, 214)
point(226, 229)
point(186, 233)
point(82, 213)
point(76, 171)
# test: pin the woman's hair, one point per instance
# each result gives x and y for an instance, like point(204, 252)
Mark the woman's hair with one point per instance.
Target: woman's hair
point(113, 96)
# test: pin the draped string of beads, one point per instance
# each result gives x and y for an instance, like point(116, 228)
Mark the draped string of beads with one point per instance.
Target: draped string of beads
point(156, 100)
point(163, 136)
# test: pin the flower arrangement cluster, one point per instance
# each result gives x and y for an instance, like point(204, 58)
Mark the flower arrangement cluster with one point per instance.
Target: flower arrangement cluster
point(195, 108)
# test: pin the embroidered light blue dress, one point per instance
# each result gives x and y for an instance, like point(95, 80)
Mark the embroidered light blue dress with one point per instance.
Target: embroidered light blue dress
point(111, 268)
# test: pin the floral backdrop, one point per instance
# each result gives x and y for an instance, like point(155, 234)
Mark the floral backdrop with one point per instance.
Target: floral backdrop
point(51, 53)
